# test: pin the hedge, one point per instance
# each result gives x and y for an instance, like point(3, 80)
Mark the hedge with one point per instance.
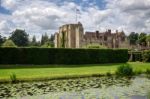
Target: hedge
point(61, 56)
point(135, 56)
point(146, 56)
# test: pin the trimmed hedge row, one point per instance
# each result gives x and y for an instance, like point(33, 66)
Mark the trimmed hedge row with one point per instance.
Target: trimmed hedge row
point(61, 56)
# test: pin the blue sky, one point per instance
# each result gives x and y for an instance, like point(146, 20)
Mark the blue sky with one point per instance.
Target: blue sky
point(40, 16)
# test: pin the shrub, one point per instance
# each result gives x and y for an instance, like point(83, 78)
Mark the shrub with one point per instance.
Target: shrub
point(147, 71)
point(124, 70)
point(97, 46)
point(138, 72)
point(9, 43)
point(61, 56)
point(108, 74)
point(135, 56)
point(13, 78)
point(146, 56)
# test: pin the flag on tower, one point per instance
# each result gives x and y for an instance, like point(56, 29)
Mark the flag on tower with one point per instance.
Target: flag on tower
point(78, 11)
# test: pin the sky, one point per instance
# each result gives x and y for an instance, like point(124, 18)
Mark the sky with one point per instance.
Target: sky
point(37, 17)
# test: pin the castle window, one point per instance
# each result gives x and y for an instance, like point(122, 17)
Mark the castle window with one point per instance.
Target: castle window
point(105, 38)
point(123, 39)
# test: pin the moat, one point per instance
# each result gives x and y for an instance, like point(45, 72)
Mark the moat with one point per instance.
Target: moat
point(83, 88)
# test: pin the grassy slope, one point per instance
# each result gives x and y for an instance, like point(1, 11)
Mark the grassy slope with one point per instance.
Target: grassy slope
point(45, 72)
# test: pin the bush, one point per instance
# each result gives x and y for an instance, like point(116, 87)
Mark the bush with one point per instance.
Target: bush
point(147, 71)
point(9, 43)
point(124, 70)
point(146, 56)
point(138, 72)
point(108, 74)
point(96, 46)
point(61, 56)
point(135, 56)
point(13, 78)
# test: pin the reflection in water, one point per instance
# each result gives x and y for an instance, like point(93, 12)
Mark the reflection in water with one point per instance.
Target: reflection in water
point(83, 88)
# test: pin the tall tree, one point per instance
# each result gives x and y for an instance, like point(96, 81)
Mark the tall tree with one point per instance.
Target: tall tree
point(148, 40)
point(44, 39)
point(133, 38)
point(142, 39)
point(20, 37)
point(52, 40)
point(2, 39)
point(34, 42)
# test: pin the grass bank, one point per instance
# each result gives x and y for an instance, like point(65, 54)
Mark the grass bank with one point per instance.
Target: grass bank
point(43, 72)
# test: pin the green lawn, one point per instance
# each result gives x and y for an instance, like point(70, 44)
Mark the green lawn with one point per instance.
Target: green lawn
point(26, 72)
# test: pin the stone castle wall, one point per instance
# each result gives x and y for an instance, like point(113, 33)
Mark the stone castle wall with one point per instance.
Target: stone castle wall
point(72, 36)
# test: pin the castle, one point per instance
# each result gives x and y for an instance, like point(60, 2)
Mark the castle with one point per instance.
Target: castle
point(72, 36)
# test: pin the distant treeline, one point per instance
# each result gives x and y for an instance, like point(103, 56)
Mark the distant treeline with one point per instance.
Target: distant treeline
point(19, 38)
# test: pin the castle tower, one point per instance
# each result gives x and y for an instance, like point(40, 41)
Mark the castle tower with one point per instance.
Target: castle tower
point(69, 36)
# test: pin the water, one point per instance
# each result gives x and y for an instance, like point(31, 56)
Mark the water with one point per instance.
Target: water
point(83, 88)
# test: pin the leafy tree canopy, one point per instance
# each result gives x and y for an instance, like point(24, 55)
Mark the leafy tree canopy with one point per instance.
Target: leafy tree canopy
point(142, 39)
point(133, 38)
point(20, 37)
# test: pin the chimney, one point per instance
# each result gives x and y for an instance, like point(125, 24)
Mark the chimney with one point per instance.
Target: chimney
point(116, 31)
point(97, 34)
point(109, 31)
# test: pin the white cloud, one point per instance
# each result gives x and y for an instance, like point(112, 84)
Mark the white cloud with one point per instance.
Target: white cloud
point(45, 16)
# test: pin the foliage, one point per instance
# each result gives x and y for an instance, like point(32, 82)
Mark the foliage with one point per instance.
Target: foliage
point(148, 38)
point(108, 74)
point(124, 70)
point(146, 56)
point(44, 39)
point(2, 40)
point(133, 38)
point(96, 46)
point(34, 42)
point(138, 72)
point(147, 71)
point(20, 37)
point(63, 41)
point(13, 78)
point(46, 45)
point(142, 39)
point(135, 56)
point(9, 43)
point(51, 39)
point(61, 56)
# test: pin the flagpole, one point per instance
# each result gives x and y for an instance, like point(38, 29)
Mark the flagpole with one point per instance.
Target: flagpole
point(76, 16)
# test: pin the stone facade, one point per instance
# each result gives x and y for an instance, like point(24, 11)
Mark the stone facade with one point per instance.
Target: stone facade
point(69, 36)
point(108, 39)
point(72, 36)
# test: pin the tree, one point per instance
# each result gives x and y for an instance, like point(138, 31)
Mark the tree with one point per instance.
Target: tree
point(46, 45)
point(2, 40)
point(148, 40)
point(51, 39)
point(9, 43)
point(133, 38)
point(20, 37)
point(44, 39)
point(142, 39)
point(34, 42)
